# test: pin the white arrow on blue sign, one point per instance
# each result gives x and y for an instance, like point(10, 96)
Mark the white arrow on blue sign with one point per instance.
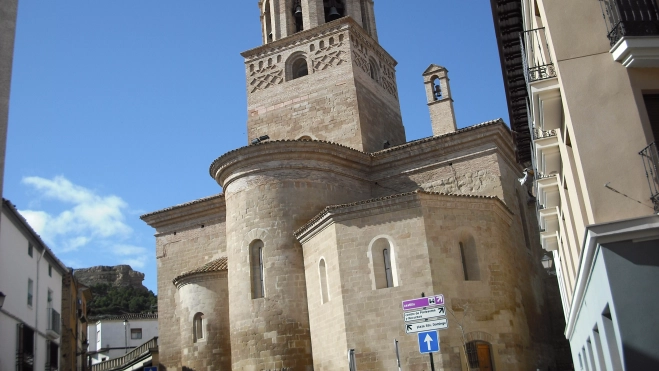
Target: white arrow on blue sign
point(428, 342)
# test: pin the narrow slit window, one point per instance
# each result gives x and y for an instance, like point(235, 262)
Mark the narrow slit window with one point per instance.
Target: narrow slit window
point(387, 267)
point(384, 264)
point(256, 257)
point(324, 289)
point(469, 257)
point(198, 327)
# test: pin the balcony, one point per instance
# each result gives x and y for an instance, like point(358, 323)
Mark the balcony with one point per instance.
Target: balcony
point(536, 58)
point(633, 31)
point(54, 324)
point(650, 157)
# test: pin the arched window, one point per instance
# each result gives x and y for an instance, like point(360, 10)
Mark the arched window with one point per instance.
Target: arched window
point(469, 256)
point(198, 323)
point(305, 137)
point(437, 88)
point(374, 69)
point(267, 20)
point(334, 9)
point(256, 271)
point(324, 289)
point(297, 15)
point(299, 68)
point(383, 263)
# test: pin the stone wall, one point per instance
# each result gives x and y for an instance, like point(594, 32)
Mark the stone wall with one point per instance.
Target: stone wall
point(329, 103)
point(187, 237)
point(424, 231)
point(206, 294)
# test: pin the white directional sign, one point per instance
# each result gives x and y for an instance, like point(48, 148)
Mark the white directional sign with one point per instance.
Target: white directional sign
point(418, 315)
point(438, 324)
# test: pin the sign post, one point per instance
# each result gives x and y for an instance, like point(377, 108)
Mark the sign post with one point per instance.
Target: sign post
point(397, 354)
point(424, 316)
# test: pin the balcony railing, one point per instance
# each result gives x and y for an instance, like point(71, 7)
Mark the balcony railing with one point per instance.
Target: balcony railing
point(131, 357)
point(630, 18)
point(650, 157)
point(54, 321)
point(537, 61)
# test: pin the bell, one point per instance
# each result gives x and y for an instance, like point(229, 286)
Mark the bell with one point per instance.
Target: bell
point(334, 14)
point(298, 11)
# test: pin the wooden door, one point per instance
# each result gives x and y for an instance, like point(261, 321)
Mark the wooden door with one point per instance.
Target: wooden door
point(484, 359)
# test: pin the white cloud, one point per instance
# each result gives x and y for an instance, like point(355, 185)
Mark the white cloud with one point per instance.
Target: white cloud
point(125, 250)
point(89, 217)
point(137, 262)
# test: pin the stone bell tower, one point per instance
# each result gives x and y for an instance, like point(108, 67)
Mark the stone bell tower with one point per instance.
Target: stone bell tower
point(321, 74)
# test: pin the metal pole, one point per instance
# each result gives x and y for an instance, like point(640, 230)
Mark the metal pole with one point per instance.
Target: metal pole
point(432, 363)
point(397, 354)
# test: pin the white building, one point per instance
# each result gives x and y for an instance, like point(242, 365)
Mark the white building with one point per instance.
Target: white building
point(31, 281)
point(111, 337)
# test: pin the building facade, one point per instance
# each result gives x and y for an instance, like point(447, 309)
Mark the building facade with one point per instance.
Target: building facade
point(112, 337)
point(330, 218)
point(31, 279)
point(581, 80)
point(75, 341)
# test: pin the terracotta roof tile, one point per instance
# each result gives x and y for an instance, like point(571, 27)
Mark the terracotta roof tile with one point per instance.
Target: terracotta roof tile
point(217, 265)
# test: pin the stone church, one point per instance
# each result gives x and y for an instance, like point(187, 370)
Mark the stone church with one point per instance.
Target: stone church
point(329, 219)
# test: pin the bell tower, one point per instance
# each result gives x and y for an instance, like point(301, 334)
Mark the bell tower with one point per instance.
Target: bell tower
point(321, 74)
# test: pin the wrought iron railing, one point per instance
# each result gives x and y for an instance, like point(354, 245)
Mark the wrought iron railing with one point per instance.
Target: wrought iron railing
point(536, 58)
point(630, 18)
point(54, 321)
point(117, 363)
point(650, 157)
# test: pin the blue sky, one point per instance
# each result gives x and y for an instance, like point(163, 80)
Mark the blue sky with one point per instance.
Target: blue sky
point(119, 107)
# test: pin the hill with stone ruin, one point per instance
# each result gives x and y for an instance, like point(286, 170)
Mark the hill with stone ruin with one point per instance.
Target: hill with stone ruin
point(117, 276)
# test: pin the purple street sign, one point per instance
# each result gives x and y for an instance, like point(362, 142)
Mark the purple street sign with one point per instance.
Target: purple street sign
point(429, 301)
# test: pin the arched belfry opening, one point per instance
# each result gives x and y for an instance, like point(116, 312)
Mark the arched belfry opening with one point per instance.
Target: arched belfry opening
point(334, 9)
point(267, 22)
point(299, 68)
point(297, 15)
point(437, 89)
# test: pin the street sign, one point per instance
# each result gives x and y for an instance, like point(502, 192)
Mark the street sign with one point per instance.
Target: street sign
point(438, 324)
point(418, 315)
point(428, 342)
point(419, 303)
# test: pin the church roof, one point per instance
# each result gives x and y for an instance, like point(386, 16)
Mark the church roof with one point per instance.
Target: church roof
point(331, 208)
point(216, 265)
point(498, 121)
point(434, 67)
point(180, 206)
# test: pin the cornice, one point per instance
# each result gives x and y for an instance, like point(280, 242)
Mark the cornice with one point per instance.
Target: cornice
point(187, 211)
point(212, 268)
point(326, 217)
point(354, 162)
point(345, 23)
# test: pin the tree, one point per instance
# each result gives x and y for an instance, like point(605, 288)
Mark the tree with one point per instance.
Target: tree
point(109, 300)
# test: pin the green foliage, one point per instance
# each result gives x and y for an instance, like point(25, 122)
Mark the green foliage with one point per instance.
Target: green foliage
point(109, 300)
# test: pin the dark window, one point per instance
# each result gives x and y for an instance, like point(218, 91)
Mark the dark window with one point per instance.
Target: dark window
point(52, 356)
point(30, 285)
point(30, 249)
point(300, 68)
point(652, 105)
point(470, 265)
point(297, 14)
point(198, 327)
point(50, 270)
point(136, 333)
point(334, 9)
point(24, 348)
point(386, 255)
